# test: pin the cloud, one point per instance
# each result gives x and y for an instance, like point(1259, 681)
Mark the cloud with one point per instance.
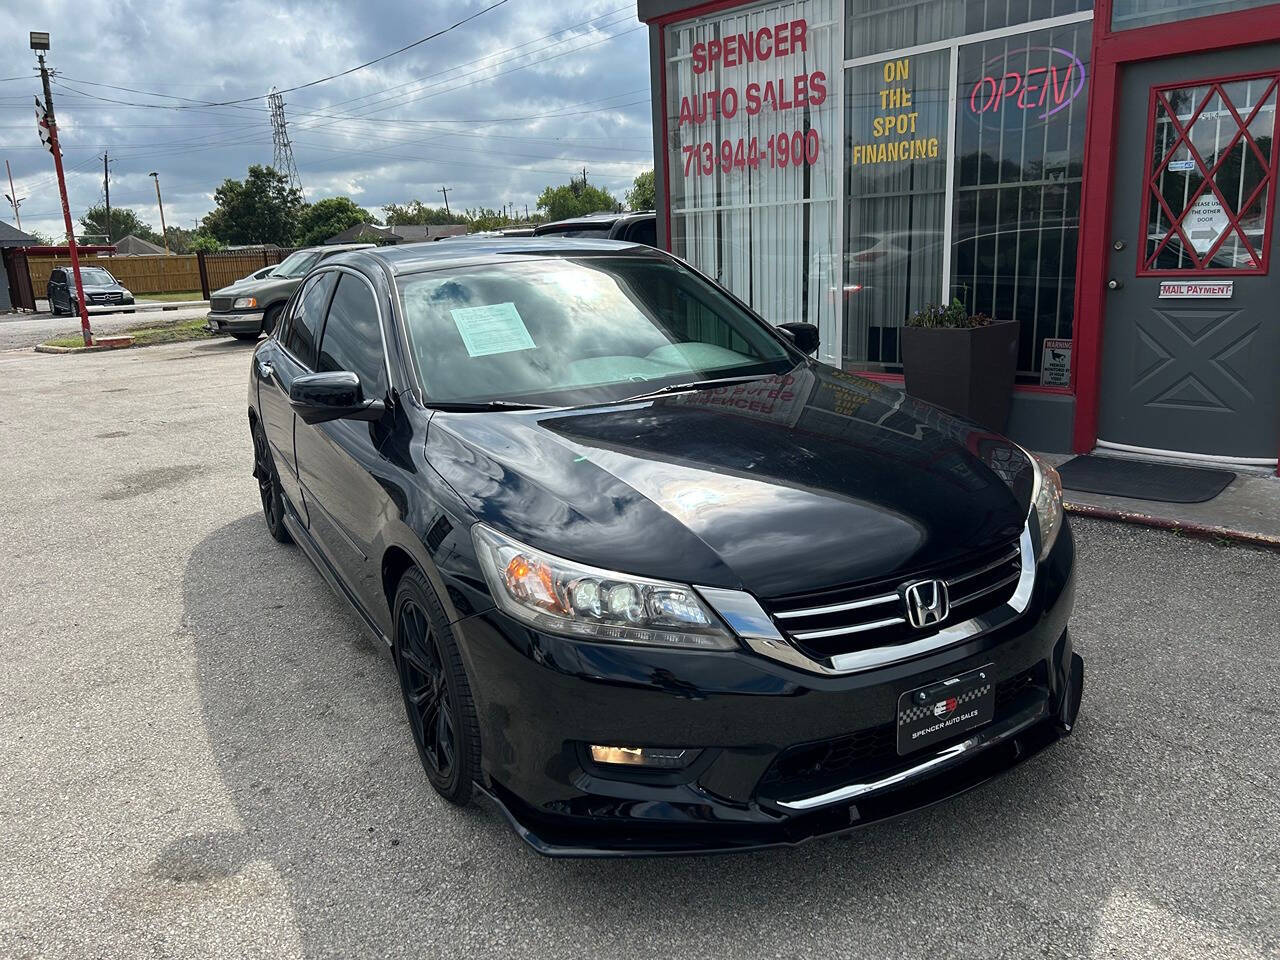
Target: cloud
point(524, 96)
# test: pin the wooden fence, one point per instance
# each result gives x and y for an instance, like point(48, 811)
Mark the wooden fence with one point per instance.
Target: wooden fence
point(227, 266)
point(157, 274)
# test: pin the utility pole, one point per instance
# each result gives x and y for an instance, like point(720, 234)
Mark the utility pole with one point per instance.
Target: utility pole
point(106, 188)
point(47, 122)
point(445, 191)
point(160, 203)
point(12, 196)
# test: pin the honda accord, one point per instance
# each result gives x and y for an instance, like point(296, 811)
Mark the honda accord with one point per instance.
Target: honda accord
point(652, 578)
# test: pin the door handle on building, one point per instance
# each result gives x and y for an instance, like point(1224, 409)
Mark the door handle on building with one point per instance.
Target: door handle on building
point(1114, 284)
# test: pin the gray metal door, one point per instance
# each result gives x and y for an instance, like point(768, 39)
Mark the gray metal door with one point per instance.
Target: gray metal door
point(1191, 342)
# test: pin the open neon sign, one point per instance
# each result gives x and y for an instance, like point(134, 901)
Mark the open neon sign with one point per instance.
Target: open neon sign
point(1041, 91)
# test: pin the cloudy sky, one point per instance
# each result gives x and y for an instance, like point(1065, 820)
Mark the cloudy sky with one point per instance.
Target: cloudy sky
point(520, 97)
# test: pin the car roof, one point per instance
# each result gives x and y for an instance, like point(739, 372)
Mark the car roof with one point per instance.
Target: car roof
point(337, 247)
point(603, 218)
point(408, 258)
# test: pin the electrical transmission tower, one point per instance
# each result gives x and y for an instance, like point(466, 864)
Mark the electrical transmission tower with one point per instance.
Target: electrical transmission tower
point(283, 160)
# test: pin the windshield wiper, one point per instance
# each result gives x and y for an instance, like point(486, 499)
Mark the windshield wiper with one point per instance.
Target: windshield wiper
point(692, 385)
point(465, 406)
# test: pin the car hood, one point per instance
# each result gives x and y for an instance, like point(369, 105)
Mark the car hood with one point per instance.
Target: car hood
point(251, 287)
point(785, 485)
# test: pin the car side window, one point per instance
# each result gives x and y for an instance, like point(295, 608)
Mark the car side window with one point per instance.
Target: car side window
point(352, 338)
point(308, 313)
point(56, 277)
point(644, 231)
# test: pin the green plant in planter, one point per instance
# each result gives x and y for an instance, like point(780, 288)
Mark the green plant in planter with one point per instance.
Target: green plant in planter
point(955, 316)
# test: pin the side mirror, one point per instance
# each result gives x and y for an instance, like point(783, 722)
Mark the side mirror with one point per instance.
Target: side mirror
point(333, 395)
point(804, 335)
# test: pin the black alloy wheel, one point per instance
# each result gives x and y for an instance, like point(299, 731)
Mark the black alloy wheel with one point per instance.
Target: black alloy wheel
point(264, 469)
point(437, 697)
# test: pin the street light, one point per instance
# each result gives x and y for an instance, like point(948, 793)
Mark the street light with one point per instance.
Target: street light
point(163, 231)
point(39, 40)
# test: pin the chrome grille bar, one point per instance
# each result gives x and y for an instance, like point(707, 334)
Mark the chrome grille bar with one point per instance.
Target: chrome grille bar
point(856, 628)
point(837, 607)
point(969, 575)
point(956, 601)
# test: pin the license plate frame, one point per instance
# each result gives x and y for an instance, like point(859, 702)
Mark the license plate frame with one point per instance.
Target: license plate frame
point(940, 710)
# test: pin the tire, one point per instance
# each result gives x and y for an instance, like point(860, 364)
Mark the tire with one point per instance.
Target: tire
point(437, 696)
point(270, 318)
point(264, 469)
point(54, 311)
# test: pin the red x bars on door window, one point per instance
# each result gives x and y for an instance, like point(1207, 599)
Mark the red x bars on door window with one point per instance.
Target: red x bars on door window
point(1211, 214)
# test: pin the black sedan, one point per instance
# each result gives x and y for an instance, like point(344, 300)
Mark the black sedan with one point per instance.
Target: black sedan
point(653, 579)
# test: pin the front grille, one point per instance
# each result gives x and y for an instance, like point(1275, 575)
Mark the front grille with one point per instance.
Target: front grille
point(106, 297)
point(811, 768)
point(221, 304)
point(866, 615)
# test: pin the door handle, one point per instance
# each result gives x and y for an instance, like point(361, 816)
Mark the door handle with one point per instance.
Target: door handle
point(1114, 284)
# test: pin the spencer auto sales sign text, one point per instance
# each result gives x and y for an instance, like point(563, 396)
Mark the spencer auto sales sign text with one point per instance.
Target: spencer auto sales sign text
point(792, 142)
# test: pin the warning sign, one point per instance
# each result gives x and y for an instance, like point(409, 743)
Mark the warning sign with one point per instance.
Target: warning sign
point(1055, 364)
point(1205, 222)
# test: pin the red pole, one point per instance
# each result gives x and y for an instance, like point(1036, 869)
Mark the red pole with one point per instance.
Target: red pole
point(52, 125)
point(85, 329)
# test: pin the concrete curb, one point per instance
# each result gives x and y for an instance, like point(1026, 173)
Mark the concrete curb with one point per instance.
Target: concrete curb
point(1201, 531)
point(99, 344)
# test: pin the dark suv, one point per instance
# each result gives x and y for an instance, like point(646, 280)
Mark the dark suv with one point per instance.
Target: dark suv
point(636, 226)
point(101, 289)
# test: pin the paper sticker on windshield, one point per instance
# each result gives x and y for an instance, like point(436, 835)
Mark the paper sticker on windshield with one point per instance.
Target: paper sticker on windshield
point(496, 328)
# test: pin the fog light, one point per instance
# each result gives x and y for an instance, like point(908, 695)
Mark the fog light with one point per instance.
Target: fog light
point(667, 758)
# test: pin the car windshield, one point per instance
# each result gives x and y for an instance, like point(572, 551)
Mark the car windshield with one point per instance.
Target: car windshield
point(296, 264)
point(578, 330)
point(96, 276)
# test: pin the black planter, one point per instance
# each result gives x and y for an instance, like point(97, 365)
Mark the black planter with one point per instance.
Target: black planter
point(969, 370)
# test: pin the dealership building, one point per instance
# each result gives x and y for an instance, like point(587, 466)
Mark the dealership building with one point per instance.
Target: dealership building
point(1103, 174)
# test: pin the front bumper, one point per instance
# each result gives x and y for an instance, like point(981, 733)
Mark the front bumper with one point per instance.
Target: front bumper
point(759, 723)
point(240, 321)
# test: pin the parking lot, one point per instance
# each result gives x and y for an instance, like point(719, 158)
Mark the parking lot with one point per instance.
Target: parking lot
point(204, 755)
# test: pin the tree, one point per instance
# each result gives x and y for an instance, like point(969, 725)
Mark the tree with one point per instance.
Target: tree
point(417, 212)
point(321, 220)
point(575, 199)
point(643, 195)
point(201, 242)
point(123, 223)
point(262, 208)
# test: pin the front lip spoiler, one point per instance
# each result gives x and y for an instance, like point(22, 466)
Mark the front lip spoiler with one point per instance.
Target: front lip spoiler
point(625, 838)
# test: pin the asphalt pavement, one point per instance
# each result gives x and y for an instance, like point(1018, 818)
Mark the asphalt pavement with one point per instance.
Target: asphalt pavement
point(203, 755)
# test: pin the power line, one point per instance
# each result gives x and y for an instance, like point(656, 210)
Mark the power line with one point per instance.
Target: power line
point(312, 83)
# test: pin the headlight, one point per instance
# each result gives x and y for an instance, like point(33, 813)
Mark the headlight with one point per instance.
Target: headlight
point(1046, 501)
point(245, 303)
point(566, 597)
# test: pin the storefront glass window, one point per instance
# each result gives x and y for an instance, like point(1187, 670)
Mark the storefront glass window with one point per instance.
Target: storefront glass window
point(752, 159)
point(878, 26)
point(1126, 14)
point(1020, 117)
point(895, 182)
point(1210, 176)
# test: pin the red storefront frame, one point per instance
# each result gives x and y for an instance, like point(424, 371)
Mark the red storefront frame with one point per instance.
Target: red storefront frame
point(1111, 52)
